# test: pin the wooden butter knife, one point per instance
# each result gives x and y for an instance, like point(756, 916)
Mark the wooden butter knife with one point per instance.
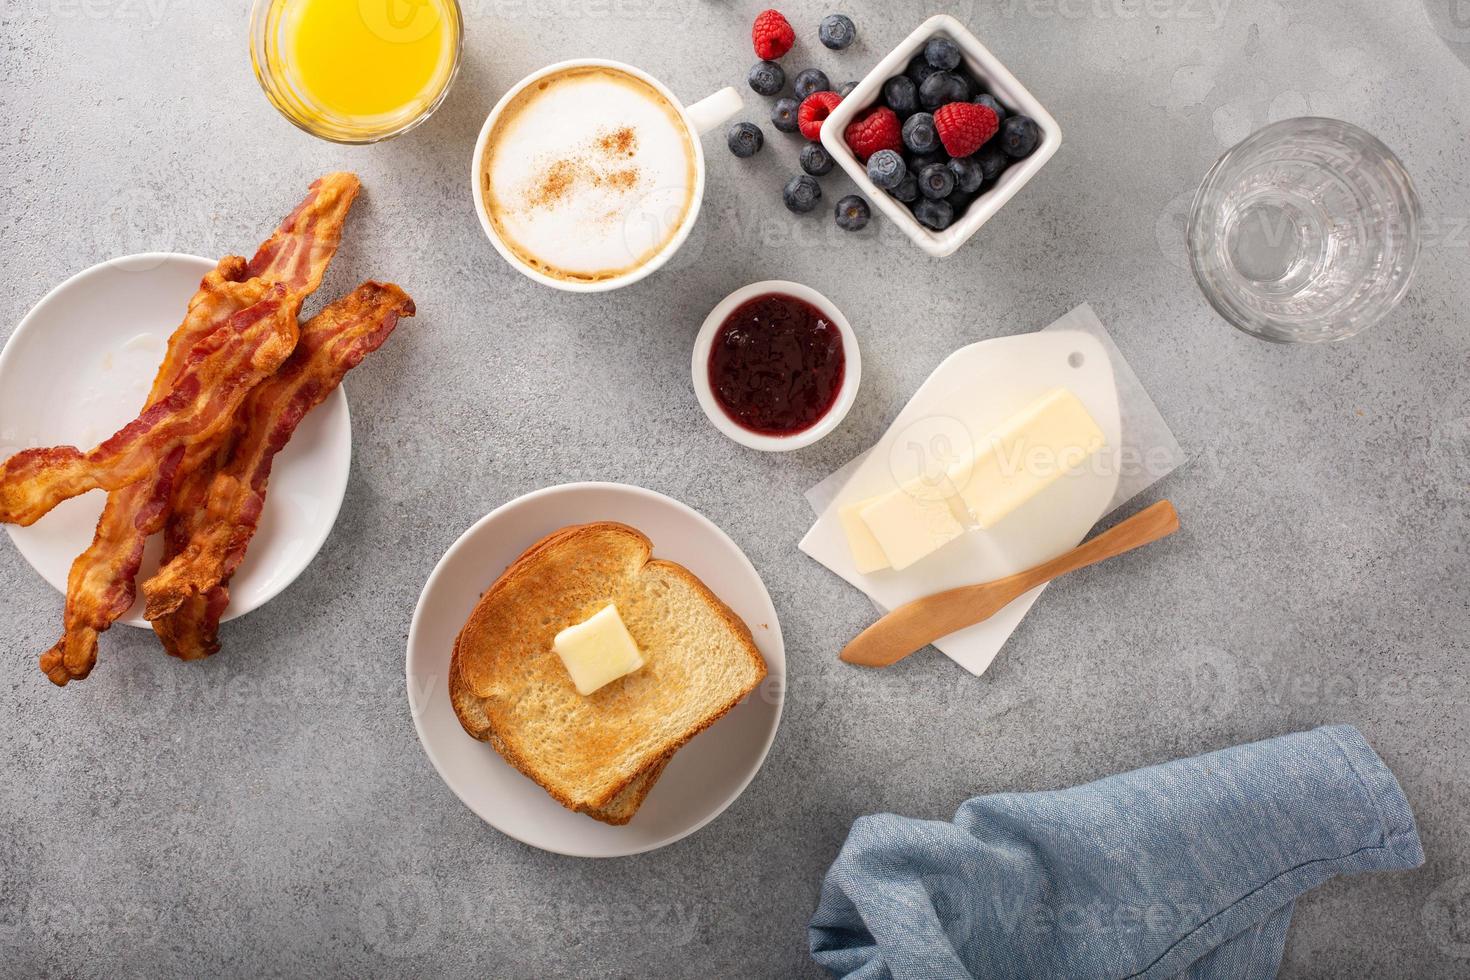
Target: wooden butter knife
point(917, 624)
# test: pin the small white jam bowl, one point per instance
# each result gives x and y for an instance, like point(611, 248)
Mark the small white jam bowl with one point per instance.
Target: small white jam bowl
point(984, 66)
point(851, 375)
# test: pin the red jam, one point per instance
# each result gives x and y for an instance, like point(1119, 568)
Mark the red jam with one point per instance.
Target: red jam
point(776, 365)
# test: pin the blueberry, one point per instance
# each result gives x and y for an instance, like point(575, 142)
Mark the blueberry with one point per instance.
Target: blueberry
point(936, 181)
point(809, 81)
point(766, 78)
point(801, 193)
point(836, 31)
point(918, 161)
point(919, 134)
point(783, 115)
point(1019, 135)
point(942, 53)
point(967, 174)
point(901, 95)
point(959, 201)
point(941, 88)
point(846, 89)
point(992, 159)
point(852, 213)
point(988, 100)
point(886, 169)
point(907, 190)
point(919, 69)
point(935, 215)
point(745, 139)
point(815, 160)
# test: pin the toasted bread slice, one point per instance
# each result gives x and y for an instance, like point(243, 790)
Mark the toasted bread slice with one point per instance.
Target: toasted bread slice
point(626, 803)
point(598, 754)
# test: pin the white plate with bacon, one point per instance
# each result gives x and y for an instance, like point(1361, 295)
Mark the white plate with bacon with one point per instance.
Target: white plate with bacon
point(217, 402)
point(77, 369)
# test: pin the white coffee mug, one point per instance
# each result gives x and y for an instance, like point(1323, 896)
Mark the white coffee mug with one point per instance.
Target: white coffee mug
point(699, 118)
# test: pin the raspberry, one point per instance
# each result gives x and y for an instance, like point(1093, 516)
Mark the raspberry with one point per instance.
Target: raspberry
point(964, 127)
point(772, 35)
point(877, 129)
point(814, 111)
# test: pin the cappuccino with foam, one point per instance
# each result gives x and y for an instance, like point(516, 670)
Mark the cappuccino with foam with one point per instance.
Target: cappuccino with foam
point(588, 174)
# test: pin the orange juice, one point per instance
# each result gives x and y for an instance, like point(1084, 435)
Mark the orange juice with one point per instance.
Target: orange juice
point(358, 69)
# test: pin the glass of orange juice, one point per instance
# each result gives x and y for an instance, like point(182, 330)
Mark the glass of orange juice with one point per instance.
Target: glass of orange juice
point(356, 71)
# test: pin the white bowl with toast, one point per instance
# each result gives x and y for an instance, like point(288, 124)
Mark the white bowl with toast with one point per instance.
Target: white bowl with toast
point(648, 758)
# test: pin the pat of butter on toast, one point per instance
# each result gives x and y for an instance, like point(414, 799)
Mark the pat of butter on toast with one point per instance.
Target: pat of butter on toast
point(597, 651)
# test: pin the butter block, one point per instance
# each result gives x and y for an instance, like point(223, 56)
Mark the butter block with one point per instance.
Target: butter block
point(867, 553)
point(1032, 449)
point(910, 523)
point(1028, 453)
point(597, 651)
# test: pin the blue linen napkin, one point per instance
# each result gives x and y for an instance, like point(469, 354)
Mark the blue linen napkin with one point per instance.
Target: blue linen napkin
point(1186, 869)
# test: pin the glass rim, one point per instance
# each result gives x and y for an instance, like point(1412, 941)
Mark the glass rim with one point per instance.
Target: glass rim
point(261, 62)
point(1262, 327)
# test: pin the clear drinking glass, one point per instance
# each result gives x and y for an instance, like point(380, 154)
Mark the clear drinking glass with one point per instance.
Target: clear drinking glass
point(390, 19)
point(1306, 231)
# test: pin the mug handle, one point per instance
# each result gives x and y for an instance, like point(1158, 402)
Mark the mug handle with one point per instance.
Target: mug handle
point(709, 112)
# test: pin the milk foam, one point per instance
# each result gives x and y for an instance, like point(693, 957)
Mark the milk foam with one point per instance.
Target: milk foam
point(588, 174)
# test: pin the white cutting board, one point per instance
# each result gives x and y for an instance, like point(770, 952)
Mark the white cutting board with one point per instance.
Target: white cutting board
point(968, 395)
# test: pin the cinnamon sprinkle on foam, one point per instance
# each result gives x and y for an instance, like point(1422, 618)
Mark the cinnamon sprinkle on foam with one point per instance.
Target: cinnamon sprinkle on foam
point(560, 179)
point(555, 183)
point(623, 180)
point(621, 141)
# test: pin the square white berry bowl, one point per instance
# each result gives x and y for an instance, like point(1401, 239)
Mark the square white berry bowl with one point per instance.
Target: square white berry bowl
point(997, 80)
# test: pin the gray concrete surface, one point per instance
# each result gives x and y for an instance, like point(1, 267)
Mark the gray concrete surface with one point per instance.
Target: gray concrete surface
point(269, 812)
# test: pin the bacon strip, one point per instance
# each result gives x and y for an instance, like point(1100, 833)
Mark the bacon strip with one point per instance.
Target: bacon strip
point(100, 586)
point(191, 632)
point(187, 595)
point(299, 250)
point(219, 372)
